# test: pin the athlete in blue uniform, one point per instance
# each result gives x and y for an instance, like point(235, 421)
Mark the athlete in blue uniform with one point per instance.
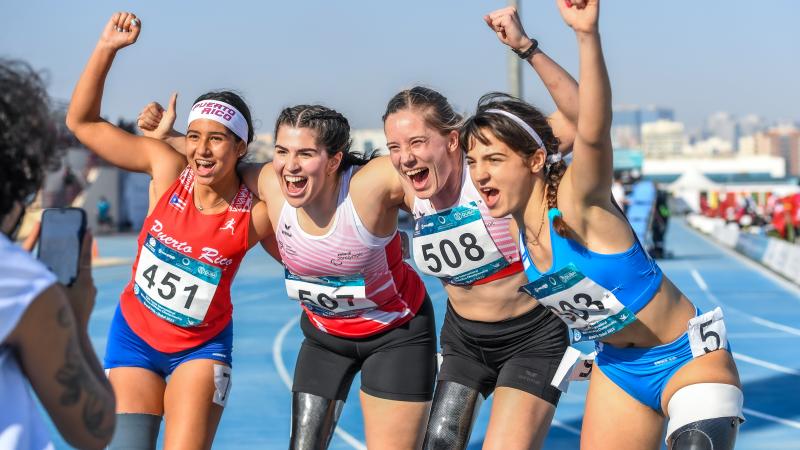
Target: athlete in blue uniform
point(657, 355)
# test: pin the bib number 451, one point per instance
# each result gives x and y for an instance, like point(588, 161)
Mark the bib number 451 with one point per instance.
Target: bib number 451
point(167, 288)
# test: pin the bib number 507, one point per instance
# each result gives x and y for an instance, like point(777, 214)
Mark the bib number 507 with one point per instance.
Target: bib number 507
point(324, 300)
point(449, 253)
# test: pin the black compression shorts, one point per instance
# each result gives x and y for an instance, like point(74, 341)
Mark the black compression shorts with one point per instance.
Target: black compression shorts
point(399, 364)
point(521, 353)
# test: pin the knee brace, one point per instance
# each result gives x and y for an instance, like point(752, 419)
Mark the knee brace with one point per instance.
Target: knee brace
point(135, 432)
point(704, 416)
point(313, 421)
point(453, 412)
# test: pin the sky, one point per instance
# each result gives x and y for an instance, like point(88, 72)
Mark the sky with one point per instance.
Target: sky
point(697, 57)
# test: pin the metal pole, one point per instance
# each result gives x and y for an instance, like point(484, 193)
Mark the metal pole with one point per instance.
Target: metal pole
point(514, 66)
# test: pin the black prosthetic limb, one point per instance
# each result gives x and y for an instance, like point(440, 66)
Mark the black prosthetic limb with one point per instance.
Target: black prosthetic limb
point(710, 434)
point(313, 421)
point(453, 411)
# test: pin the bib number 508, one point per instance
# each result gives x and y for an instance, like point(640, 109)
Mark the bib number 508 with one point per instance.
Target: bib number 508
point(450, 254)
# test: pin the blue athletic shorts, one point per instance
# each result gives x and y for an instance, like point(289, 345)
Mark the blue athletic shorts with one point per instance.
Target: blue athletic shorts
point(644, 372)
point(126, 349)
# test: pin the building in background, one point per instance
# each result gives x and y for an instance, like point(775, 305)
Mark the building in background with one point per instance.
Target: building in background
point(626, 128)
point(663, 139)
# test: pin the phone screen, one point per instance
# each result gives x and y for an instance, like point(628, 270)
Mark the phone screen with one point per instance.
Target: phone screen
point(60, 242)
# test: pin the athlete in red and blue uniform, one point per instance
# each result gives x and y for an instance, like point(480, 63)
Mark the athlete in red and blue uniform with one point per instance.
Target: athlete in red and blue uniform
point(174, 317)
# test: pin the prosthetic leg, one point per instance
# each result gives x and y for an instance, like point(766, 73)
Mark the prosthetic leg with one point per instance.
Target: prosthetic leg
point(313, 421)
point(453, 412)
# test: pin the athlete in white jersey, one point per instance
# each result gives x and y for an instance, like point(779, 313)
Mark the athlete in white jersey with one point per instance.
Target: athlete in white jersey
point(494, 339)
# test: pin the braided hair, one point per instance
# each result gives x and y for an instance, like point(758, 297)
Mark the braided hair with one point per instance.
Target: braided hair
point(516, 138)
point(333, 131)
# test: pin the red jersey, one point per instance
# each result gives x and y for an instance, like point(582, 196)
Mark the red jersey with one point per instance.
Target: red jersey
point(179, 296)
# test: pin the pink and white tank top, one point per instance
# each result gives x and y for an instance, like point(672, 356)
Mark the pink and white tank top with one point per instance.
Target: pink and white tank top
point(350, 282)
point(463, 245)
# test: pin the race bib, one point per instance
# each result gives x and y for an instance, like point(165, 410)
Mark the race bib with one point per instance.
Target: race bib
point(455, 245)
point(591, 311)
point(574, 366)
point(329, 296)
point(707, 333)
point(175, 287)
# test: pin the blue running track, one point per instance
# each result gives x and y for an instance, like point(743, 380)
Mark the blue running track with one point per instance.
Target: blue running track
point(762, 316)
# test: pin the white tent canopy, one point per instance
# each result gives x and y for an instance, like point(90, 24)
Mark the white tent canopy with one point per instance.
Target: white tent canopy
point(689, 185)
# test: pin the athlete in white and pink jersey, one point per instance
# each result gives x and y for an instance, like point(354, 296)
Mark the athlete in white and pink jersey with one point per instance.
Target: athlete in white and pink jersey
point(494, 338)
point(364, 308)
point(350, 282)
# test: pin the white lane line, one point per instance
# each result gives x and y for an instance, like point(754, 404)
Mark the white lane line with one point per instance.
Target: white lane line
point(755, 319)
point(782, 421)
point(775, 326)
point(766, 364)
point(786, 284)
point(277, 357)
point(562, 425)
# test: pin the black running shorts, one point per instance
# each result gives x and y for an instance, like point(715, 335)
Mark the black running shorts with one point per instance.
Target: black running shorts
point(521, 353)
point(399, 364)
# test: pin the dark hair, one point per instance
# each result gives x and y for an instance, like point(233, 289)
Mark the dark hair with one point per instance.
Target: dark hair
point(333, 131)
point(435, 108)
point(237, 102)
point(514, 136)
point(28, 133)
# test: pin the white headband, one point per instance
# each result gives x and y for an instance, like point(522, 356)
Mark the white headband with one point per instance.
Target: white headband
point(551, 159)
point(220, 112)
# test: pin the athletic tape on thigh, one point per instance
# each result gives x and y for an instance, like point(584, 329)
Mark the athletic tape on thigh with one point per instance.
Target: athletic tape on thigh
point(222, 384)
point(574, 366)
point(703, 401)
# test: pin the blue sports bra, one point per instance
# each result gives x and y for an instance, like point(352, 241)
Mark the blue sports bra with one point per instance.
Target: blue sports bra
point(596, 294)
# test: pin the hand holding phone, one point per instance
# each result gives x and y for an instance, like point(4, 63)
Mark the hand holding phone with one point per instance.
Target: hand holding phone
point(82, 293)
point(65, 247)
point(60, 242)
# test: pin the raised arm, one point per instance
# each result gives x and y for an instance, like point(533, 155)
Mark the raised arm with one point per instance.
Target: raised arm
point(113, 144)
point(590, 173)
point(562, 87)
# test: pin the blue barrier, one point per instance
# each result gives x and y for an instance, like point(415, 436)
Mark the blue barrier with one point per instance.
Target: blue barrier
point(641, 205)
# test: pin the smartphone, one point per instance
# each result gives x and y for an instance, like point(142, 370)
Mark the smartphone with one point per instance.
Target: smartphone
point(60, 242)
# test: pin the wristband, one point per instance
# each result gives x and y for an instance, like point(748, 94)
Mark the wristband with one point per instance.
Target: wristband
point(527, 53)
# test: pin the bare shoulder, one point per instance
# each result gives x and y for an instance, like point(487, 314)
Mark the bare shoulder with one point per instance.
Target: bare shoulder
point(377, 177)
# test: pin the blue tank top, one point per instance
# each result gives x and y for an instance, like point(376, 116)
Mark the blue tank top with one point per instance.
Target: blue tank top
point(596, 294)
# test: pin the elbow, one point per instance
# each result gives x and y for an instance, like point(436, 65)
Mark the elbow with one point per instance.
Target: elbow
point(72, 124)
point(92, 439)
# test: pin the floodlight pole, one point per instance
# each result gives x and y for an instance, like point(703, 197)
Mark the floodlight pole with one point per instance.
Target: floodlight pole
point(514, 64)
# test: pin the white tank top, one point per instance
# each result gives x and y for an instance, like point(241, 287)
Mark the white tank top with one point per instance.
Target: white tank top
point(463, 244)
point(350, 282)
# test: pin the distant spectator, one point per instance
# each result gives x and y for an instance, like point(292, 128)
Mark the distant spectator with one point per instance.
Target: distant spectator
point(104, 221)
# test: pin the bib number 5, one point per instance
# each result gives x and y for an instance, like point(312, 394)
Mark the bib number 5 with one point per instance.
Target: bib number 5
point(707, 333)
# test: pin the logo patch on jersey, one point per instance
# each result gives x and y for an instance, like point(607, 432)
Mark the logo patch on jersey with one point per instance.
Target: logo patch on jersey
point(242, 202)
point(176, 202)
point(229, 225)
